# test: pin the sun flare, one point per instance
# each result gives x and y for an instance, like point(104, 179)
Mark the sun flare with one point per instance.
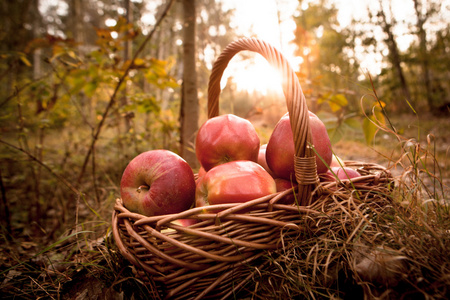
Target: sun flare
point(256, 74)
point(253, 76)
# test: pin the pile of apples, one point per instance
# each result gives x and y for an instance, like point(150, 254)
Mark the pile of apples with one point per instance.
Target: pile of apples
point(235, 168)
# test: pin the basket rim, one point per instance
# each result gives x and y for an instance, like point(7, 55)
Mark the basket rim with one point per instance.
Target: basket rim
point(227, 209)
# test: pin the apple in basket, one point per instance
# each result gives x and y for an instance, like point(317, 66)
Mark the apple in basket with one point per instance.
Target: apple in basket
point(336, 161)
point(280, 148)
point(234, 182)
point(157, 182)
point(283, 185)
point(201, 172)
point(262, 159)
point(179, 222)
point(341, 173)
point(226, 138)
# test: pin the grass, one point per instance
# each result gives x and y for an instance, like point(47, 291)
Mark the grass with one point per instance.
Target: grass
point(392, 251)
point(397, 253)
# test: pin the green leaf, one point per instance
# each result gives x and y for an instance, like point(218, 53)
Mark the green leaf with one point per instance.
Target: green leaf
point(335, 134)
point(379, 116)
point(329, 120)
point(25, 60)
point(139, 62)
point(410, 106)
point(324, 98)
point(369, 129)
point(337, 102)
point(353, 123)
point(90, 88)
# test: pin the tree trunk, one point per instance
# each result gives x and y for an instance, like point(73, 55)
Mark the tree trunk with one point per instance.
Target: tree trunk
point(423, 55)
point(76, 17)
point(37, 24)
point(189, 97)
point(394, 53)
point(127, 54)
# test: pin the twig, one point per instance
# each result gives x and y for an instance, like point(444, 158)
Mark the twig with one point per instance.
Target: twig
point(381, 105)
point(6, 213)
point(40, 286)
point(32, 157)
point(20, 89)
point(23, 141)
point(112, 100)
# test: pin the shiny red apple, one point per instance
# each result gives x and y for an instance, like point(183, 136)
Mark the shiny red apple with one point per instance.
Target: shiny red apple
point(185, 222)
point(262, 159)
point(226, 138)
point(283, 185)
point(336, 161)
point(200, 174)
point(341, 173)
point(157, 182)
point(234, 182)
point(179, 222)
point(280, 148)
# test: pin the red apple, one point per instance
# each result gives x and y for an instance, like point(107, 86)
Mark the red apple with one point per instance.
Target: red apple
point(336, 161)
point(262, 159)
point(180, 222)
point(234, 182)
point(341, 173)
point(226, 138)
point(283, 185)
point(280, 148)
point(200, 174)
point(157, 182)
point(185, 222)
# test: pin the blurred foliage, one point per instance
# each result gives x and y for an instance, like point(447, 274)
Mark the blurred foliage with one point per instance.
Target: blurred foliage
point(51, 119)
point(336, 85)
point(328, 74)
point(77, 87)
point(62, 75)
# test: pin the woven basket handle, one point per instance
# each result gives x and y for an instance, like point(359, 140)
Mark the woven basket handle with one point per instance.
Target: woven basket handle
point(305, 164)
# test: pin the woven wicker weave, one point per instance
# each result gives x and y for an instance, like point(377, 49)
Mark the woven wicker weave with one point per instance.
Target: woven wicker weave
point(217, 256)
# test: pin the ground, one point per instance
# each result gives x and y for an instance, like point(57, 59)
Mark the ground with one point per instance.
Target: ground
point(76, 265)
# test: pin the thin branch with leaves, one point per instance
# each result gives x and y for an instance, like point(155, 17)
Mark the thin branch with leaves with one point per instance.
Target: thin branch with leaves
point(122, 79)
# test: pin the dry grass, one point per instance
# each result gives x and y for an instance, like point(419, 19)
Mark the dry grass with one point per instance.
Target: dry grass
point(366, 249)
point(394, 248)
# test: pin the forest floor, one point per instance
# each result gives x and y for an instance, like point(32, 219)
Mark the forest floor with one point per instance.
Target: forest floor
point(82, 265)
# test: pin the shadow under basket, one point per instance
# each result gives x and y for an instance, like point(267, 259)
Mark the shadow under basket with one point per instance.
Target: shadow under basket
point(220, 253)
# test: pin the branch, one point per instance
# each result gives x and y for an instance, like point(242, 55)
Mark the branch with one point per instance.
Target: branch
point(113, 97)
point(32, 157)
point(6, 213)
point(17, 90)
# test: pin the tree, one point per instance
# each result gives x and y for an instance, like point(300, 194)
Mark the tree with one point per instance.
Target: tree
point(394, 53)
point(76, 21)
point(423, 14)
point(189, 110)
point(127, 54)
point(324, 46)
point(213, 35)
point(439, 55)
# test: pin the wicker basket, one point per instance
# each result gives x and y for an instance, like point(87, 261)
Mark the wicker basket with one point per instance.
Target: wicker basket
point(218, 255)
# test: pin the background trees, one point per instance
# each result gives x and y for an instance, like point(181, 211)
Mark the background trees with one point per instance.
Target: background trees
point(404, 33)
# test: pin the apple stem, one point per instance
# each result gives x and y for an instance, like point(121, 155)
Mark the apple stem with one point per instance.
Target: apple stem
point(142, 187)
